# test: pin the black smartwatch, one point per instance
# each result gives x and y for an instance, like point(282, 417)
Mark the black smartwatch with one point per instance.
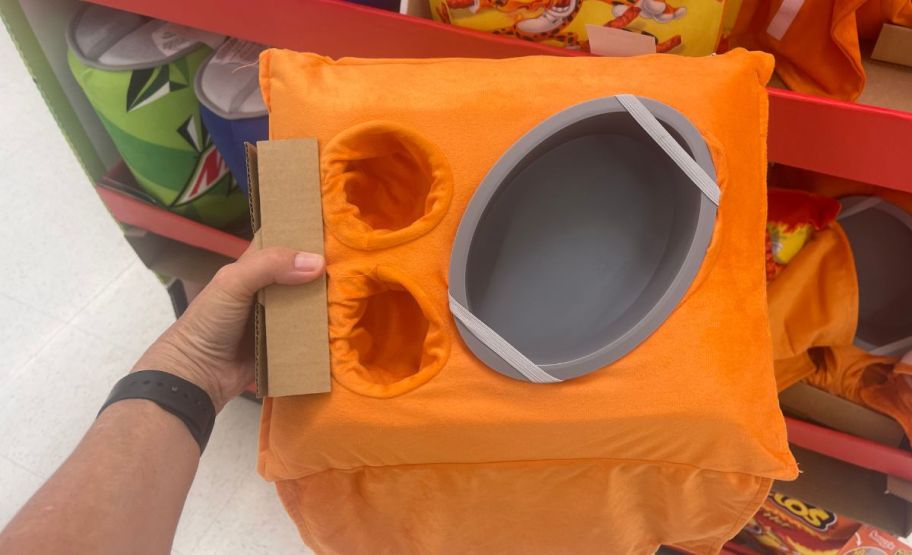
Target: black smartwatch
point(181, 398)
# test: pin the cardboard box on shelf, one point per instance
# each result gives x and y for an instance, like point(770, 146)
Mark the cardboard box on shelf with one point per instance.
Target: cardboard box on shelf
point(894, 45)
point(815, 405)
point(888, 85)
point(292, 335)
point(848, 490)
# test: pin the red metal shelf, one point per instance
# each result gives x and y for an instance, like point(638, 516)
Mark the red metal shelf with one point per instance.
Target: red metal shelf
point(132, 211)
point(847, 140)
point(854, 141)
point(853, 450)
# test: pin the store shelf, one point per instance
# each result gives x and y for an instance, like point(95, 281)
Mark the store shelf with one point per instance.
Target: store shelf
point(132, 211)
point(853, 450)
point(847, 140)
point(331, 27)
point(853, 141)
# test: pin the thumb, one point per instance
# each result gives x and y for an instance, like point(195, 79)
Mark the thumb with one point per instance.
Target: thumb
point(257, 269)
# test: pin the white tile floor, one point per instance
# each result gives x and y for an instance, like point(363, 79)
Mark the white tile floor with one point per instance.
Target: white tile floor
point(76, 308)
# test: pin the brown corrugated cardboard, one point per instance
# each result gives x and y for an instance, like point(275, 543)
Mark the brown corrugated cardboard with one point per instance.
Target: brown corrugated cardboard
point(815, 405)
point(848, 490)
point(292, 336)
point(900, 488)
point(894, 45)
point(888, 85)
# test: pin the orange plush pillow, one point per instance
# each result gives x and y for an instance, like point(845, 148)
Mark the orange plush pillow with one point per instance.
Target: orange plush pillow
point(815, 43)
point(420, 448)
point(814, 305)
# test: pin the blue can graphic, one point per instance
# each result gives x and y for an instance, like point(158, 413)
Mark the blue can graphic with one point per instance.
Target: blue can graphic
point(231, 105)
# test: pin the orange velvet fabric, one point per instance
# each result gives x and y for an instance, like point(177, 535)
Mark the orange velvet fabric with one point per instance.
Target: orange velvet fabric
point(813, 305)
point(818, 54)
point(425, 450)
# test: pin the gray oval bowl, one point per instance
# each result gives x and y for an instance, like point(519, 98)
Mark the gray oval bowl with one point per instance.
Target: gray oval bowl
point(880, 234)
point(582, 239)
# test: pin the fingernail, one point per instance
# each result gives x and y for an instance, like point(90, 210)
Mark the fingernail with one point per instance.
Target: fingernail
point(308, 262)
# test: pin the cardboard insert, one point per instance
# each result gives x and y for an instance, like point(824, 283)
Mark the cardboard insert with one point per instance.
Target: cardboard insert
point(292, 331)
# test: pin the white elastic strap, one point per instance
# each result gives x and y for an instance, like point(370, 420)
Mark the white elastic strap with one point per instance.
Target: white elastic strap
point(783, 19)
point(867, 203)
point(676, 152)
point(499, 345)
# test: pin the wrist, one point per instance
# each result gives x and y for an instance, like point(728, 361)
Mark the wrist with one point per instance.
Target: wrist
point(172, 393)
point(148, 420)
point(157, 358)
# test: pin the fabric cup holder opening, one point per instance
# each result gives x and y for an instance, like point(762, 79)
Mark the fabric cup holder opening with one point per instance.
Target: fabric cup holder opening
point(383, 185)
point(387, 339)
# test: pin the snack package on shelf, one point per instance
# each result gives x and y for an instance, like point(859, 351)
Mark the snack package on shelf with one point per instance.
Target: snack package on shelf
point(688, 27)
point(138, 74)
point(792, 219)
point(868, 540)
point(231, 105)
point(787, 525)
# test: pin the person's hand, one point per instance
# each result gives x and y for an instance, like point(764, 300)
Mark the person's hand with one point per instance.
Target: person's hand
point(211, 345)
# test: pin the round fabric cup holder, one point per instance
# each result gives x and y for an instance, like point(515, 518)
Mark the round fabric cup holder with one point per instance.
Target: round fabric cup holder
point(583, 238)
point(385, 337)
point(383, 185)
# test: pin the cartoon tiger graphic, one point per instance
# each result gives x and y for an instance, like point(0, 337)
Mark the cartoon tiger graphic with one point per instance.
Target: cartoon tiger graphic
point(548, 20)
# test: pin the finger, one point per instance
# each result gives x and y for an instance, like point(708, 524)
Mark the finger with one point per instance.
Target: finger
point(261, 268)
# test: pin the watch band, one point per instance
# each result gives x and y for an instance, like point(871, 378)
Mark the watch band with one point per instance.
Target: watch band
point(176, 395)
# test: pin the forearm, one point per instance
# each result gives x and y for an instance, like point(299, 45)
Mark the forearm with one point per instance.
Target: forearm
point(121, 491)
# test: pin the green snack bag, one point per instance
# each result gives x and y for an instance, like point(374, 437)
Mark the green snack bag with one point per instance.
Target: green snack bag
point(138, 74)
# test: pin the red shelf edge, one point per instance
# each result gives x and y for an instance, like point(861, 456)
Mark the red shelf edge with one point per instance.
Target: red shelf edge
point(848, 448)
point(137, 213)
point(852, 141)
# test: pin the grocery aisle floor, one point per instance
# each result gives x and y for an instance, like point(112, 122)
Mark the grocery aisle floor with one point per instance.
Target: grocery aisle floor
point(76, 309)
